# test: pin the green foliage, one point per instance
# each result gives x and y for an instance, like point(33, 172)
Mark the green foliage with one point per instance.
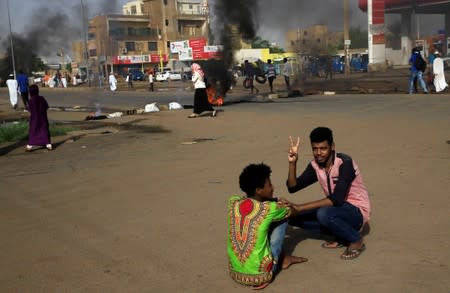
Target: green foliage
point(332, 49)
point(259, 43)
point(18, 131)
point(13, 132)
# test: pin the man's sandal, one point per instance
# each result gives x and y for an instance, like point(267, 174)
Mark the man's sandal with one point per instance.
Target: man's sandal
point(352, 253)
point(193, 115)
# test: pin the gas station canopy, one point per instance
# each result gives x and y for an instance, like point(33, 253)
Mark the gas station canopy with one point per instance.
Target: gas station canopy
point(419, 6)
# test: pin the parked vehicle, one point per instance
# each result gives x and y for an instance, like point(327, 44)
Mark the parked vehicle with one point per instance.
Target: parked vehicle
point(175, 76)
point(168, 75)
point(136, 74)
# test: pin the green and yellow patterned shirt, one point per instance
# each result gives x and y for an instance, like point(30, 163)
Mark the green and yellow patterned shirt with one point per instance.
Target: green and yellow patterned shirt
point(250, 258)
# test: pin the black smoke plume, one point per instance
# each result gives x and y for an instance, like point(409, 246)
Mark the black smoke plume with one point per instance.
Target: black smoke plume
point(53, 32)
point(235, 16)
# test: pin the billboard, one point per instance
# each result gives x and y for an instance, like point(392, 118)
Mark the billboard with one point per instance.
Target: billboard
point(195, 49)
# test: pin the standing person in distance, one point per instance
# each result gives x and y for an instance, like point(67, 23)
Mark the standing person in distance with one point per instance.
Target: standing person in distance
point(249, 72)
point(112, 82)
point(151, 80)
point(201, 103)
point(22, 81)
point(271, 74)
point(38, 133)
point(11, 83)
point(440, 84)
point(416, 72)
point(287, 73)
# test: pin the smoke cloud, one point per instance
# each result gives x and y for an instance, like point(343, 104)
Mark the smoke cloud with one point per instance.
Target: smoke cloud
point(52, 25)
point(271, 19)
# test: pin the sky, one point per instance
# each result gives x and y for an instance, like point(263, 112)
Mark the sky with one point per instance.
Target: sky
point(56, 22)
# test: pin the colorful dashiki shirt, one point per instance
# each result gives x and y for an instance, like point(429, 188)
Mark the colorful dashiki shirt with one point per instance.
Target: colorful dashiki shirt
point(250, 258)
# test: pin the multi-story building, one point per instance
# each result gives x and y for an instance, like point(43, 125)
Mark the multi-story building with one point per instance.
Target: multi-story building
point(133, 8)
point(178, 19)
point(314, 40)
point(122, 40)
point(141, 37)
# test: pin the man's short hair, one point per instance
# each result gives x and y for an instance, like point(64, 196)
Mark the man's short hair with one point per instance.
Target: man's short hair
point(253, 176)
point(321, 134)
point(285, 60)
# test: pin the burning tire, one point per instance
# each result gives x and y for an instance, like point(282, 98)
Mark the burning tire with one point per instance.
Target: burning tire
point(261, 79)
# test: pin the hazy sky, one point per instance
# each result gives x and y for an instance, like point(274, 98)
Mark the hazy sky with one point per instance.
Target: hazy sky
point(61, 19)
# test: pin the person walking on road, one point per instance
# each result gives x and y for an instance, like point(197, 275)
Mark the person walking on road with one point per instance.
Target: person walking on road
point(150, 80)
point(11, 83)
point(287, 73)
point(271, 74)
point(112, 82)
point(439, 81)
point(418, 66)
point(201, 103)
point(22, 81)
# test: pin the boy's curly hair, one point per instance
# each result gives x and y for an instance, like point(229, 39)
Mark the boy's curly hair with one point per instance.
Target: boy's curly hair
point(253, 176)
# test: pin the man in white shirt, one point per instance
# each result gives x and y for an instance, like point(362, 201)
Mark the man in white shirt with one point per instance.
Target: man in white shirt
point(11, 83)
point(112, 82)
point(439, 75)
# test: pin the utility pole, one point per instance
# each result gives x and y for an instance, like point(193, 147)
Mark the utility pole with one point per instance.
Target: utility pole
point(11, 41)
point(347, 41)
point(86, 56)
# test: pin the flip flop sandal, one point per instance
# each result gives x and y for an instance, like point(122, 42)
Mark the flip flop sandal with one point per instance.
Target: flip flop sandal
point(193, 116)
point(332, 245)
point(352, 253)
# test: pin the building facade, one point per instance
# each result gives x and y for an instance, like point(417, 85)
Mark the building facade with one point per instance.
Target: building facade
point(314, 40)
point(141, 37)
point(133, 8)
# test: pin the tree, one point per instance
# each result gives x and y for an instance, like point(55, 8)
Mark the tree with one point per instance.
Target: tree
point(258, 42)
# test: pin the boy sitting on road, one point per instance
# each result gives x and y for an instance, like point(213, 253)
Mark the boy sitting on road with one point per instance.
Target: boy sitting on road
point(256, 228)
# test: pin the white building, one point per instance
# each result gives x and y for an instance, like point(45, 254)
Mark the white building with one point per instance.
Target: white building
point(134, 8)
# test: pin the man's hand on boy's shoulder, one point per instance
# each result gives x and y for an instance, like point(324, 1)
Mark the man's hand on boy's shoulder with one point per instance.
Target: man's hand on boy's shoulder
point(285, 203)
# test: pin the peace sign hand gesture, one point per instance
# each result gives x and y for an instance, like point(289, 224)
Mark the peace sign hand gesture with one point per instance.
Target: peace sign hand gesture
point(293, 150)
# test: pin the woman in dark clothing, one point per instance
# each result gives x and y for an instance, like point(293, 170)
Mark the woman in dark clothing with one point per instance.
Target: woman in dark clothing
point(201, 103)
point(38, 133)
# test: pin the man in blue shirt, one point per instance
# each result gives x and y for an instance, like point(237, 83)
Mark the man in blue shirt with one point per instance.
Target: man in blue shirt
point(416, 72)
point(22, 80)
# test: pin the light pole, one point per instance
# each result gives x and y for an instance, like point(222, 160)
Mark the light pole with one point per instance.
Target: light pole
point(11, 40)
point(346, 38)
point(86, 56)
